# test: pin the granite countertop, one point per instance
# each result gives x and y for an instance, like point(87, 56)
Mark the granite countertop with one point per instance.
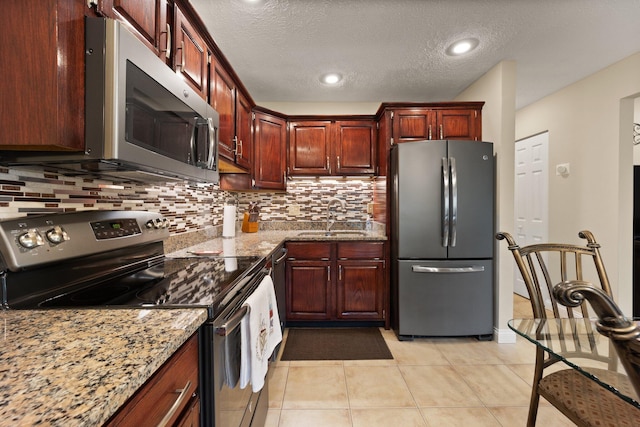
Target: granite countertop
point(263, 242)
point(78, 367)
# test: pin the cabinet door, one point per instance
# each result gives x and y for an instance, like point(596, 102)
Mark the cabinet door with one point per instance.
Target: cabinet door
point(355, 147)
point(309, 290)
point(309, 148)
point(192, 56)
point(413, 124)
point(191, 416)
point(42, 85)
point(458, 124)
point(147, 19)
point(360, 290)
point(270, 146)
point(243, 131)
point(224, 102)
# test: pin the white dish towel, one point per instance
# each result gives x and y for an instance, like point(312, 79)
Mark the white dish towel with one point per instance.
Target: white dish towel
point(261, 333)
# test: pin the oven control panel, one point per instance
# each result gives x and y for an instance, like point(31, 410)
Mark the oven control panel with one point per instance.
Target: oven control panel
point(115, 228)
point(31, 241)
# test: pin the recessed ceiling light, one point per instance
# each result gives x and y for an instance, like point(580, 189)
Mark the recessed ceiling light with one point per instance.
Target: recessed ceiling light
point(462, 46)
point(331, 78)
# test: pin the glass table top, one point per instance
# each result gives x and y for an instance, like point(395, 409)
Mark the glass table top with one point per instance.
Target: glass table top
point(577, 343)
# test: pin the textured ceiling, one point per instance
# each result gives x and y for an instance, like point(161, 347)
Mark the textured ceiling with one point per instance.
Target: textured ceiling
point(393, 50)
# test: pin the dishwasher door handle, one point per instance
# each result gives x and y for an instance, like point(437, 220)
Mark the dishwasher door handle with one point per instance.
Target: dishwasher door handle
point(424, 269)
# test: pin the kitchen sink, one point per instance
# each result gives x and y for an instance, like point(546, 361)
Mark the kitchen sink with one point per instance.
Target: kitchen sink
point(333, 233)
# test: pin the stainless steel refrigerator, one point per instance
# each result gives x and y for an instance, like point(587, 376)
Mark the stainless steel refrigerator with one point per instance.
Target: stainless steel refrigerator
point(442, 238)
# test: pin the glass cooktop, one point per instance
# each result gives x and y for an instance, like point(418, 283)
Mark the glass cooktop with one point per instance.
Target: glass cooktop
point(171, 282)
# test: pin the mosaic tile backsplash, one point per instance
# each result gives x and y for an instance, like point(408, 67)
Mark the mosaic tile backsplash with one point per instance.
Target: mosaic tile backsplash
point(189, 207)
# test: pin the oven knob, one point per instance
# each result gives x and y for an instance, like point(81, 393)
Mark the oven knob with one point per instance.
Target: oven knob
point(165, 223)
point(149, 224)
point(57, 235)
point(31, 239)
point(158, 223)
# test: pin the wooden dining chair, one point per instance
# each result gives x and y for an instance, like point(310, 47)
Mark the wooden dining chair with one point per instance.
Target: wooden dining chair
point(542, 266)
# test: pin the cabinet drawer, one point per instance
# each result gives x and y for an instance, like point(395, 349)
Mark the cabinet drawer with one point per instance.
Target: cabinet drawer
point(156, 398)
point(309, 250)
point(360, 250)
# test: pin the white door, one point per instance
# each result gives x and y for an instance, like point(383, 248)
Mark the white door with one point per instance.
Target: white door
point(531, 195)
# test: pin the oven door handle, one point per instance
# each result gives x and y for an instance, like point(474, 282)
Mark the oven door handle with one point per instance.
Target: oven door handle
point(233, 322)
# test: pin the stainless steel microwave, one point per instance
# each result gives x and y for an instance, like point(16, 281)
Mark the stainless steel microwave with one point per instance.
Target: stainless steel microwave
point(143, 122)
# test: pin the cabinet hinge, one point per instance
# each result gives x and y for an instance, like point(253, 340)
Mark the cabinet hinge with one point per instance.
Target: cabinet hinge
point(287, 126)
point(378, 125)
point(392, 115)
point(253, 116)
point(475, 114)
point(391, 140)
point(91, 3)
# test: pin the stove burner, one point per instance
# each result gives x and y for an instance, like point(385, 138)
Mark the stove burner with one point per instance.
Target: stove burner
point(90, 297)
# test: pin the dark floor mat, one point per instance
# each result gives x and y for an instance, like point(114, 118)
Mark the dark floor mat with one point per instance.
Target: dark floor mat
point(335, 344)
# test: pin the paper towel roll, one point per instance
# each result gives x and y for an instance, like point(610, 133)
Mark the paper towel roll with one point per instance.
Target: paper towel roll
point(229, 254)
point(229, 221)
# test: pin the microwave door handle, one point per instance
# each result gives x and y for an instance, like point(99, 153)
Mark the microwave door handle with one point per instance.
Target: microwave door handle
point(213, 146)
point(192, 143)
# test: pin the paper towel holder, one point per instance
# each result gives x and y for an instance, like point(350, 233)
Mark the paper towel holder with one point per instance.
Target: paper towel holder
point(230, 217)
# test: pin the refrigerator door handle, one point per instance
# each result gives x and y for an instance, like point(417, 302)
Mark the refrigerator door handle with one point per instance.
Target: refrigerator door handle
point(424, 269)
point(445, 202)
point(454, 201)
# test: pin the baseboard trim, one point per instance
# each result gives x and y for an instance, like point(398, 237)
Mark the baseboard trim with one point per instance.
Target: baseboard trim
point(504, 336)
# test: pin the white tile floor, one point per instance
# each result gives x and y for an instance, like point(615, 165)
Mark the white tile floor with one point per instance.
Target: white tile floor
point(430, 382)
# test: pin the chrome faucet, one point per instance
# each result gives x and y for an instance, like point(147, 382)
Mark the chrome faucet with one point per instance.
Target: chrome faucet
point(330, 215)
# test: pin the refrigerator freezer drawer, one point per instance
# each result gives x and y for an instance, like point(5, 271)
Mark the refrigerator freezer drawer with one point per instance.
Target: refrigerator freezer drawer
point(445, 298)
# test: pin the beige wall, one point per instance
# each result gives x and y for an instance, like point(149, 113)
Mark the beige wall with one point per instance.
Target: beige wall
point(322, 108)
point(590, 127)
point(636, 119)
point(497, 89)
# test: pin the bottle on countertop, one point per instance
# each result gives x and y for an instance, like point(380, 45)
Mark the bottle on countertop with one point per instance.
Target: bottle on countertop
point(368, 225)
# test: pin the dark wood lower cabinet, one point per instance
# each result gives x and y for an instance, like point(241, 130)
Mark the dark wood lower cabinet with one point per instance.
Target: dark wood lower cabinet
point(336, 281)
point(158, 397)
point(309, 286)
point(360, 290)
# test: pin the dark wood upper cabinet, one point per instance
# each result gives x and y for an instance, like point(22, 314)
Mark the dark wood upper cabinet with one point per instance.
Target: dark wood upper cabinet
point(270, 146)
point(332, 147)
point(355, 147)
point(234, 108)
point(413, 124)
point(42, 83)
point(146, 19)
point(223, 100)
point(310, 147)
point(458, 124)
point(433, 121)
point(191, 57)
point(243, 131)
point(402, 122)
